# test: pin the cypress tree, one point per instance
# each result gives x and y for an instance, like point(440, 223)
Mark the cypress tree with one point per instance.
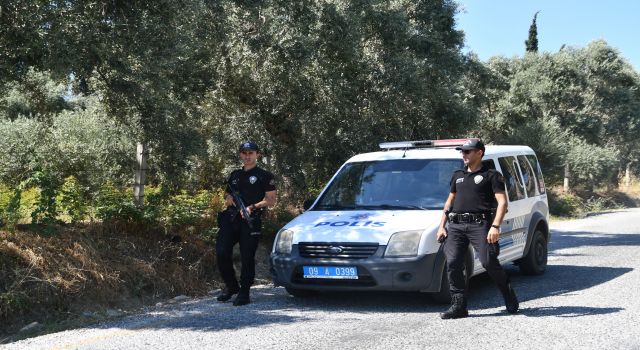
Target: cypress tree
point(532, 42)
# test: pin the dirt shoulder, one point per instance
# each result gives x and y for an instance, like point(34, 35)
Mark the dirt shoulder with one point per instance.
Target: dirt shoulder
point(84, 273)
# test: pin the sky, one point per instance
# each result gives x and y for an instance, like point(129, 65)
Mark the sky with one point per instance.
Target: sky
point(500, 27)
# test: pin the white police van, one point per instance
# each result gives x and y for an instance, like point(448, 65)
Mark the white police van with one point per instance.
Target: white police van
point(374, 225)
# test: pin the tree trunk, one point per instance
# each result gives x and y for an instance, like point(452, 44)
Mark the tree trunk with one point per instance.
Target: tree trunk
point(141, 174)
point(627, 175)
point(567, 173)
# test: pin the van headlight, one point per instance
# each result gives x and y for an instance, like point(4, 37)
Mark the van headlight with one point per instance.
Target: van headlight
point(403, 243)
point(284, 241)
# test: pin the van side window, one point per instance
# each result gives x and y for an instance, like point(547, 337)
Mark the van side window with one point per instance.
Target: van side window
point(515, 190)
point(528, 177)
point(536, 166)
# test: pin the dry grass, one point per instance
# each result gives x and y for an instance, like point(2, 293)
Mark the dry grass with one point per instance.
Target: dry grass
point(91, 268)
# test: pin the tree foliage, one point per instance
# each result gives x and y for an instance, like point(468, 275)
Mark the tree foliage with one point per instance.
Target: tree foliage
point(83, 143)
point(579, 105)
point(313, 82)
point(318, 81)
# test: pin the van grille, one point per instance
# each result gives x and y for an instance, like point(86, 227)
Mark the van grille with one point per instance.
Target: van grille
point(337, 250)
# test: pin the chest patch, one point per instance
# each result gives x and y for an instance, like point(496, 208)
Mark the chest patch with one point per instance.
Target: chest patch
point(460, 180)
point(253, 179)
point(478, 179)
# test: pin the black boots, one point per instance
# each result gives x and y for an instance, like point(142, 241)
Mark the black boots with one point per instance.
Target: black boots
point(242, 298)
point(227, 293)
point(458, 308)
point(510, 299)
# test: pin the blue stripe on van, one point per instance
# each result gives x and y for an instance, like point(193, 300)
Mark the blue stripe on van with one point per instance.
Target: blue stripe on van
point(505, 242)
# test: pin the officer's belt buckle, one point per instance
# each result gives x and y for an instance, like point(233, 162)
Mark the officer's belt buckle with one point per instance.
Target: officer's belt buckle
point(466, 218)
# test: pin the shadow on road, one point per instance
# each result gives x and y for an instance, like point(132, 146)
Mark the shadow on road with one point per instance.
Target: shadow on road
point(573, 239)
point(558, 311)
point(557, 280)
point(274, 306)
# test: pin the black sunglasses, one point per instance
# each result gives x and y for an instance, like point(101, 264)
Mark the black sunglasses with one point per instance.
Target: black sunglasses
point(466, 151)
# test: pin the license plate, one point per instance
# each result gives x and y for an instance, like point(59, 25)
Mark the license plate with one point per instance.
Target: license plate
point(332, 272)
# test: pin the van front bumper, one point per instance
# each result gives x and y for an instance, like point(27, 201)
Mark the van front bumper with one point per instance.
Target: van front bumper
point(421, 273)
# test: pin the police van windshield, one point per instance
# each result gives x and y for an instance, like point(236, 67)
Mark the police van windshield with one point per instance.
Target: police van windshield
point(390, 184)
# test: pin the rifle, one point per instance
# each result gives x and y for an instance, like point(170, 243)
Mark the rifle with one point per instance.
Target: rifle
point(243, 208)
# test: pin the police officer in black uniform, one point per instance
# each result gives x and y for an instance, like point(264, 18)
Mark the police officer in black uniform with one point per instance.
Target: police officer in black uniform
point(256, 188)
point(468, 211)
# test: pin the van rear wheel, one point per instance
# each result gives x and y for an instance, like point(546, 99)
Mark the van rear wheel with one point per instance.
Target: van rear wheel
point(535, 262)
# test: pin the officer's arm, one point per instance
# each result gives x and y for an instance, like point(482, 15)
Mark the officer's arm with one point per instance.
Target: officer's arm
point(447, 206)
point(441, 230)
point(269, 200)
point(501, 198)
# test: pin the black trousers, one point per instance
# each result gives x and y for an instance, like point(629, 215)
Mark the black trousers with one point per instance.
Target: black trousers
point(233, 229)
point(455, 249)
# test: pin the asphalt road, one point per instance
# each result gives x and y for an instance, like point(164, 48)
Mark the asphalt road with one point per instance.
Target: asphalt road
point(589, 298)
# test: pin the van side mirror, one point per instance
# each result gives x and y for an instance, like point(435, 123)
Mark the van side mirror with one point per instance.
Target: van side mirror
point(308, 203)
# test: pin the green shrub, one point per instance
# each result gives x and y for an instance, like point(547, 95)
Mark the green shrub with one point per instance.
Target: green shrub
point(113, 204)
point(72, 199)
point(185, 209)
point(155, 197)
point(5, 197)
point(46, 210)
point(564, 204)
point(598, 204)
point(11, 213)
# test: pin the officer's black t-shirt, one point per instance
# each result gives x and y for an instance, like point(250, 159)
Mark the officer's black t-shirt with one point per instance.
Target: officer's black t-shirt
point(475, 191)
point(251, 184)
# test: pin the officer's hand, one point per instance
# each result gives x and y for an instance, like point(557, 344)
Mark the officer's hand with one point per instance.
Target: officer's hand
point(441, 235)
point(248, 212)
point(228, 200)
point(494, 235)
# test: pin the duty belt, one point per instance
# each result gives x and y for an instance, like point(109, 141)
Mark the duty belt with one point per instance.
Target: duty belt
point(463, 218)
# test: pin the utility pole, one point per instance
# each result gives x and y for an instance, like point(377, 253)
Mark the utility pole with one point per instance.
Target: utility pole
point(141, 174)
point(627, 175)
point(567, 173)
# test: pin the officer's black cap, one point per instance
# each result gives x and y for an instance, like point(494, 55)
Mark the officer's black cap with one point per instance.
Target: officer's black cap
point(472, 144)
point(249, 146)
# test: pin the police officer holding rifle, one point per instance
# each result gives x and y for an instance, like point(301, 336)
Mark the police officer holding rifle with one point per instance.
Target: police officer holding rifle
point(250, 191)
point(468, 211)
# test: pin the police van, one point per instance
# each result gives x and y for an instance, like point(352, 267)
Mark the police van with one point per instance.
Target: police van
point(373, 227)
